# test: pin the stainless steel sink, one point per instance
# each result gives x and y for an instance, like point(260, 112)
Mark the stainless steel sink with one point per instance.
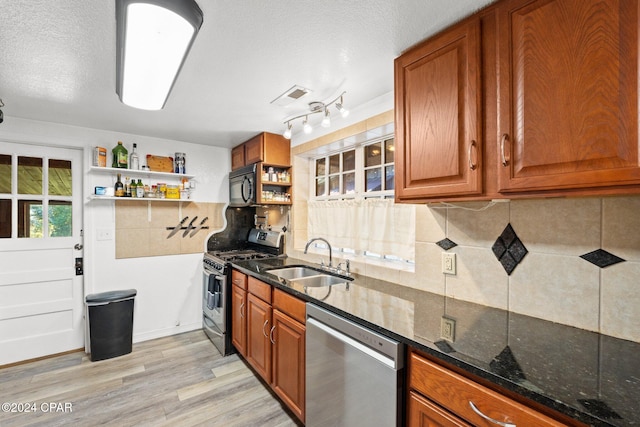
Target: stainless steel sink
point(292, 273)
point(320, 280)
point(307, 276)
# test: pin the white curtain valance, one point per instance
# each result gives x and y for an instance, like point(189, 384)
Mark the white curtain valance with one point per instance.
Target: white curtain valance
point(376, 225)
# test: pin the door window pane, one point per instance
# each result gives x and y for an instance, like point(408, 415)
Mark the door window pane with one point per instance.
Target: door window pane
point(5, 218)
point(60, 219)
point(349, 160)
point(5, 173)
point(372, 180)
point(29, 175)
point(349, 183)
point(30, 218)
point(59, 177)
point(372, 155)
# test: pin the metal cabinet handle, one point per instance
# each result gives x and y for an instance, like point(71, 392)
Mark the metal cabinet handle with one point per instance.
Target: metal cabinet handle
point(271, 334)
point(472, 165)
point(504, 138)
point(241, 311)
point(491, 420)
point(265, 324)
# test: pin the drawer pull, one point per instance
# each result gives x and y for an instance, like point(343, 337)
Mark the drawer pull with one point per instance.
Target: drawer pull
point(491, 420)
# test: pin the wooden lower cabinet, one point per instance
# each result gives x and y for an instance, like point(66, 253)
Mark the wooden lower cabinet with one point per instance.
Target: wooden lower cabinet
point(288, 361)
point(440, 397)
point(274, 337)
point(258, 343)
point(239, 319)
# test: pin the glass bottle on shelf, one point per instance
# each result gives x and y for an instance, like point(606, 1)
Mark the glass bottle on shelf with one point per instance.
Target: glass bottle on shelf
point(120, 156)
point(118, 188)
point(134, 162)
point(127, 187)
point(140, 189)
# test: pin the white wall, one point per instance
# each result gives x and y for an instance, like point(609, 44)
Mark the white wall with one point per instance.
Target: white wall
point(169, 287)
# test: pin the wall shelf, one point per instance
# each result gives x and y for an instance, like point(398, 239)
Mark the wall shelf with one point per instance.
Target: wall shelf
point(140, 173)
point(136, 199)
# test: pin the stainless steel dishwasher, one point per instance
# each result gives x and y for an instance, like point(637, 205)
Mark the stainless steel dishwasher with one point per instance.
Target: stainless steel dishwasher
point(353, 374)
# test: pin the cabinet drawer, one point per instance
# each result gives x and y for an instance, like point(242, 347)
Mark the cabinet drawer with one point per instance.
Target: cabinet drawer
point(424, 413)
point(260, 289)
point(239, 279)
point(457, 393)
point(290, 305)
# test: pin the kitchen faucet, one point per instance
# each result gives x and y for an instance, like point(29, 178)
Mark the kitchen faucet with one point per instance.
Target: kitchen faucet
point(324, 240)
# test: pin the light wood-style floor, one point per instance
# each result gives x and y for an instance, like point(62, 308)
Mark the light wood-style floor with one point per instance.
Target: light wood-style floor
point(175, 381)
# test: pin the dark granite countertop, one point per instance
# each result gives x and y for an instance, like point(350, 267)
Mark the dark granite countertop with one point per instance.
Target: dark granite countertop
point(590, 377)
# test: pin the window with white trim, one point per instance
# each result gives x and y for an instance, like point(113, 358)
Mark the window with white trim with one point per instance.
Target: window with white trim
point(345, 185)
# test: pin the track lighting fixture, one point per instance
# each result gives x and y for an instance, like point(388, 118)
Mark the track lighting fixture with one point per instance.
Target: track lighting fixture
point(316, 107)
point(1, 115)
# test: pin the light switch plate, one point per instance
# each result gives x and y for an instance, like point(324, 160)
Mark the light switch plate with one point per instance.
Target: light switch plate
point(448, 263)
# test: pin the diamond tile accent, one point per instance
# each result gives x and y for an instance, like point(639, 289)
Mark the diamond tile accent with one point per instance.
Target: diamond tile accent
point(446, 244)
point(509, 250)
point(602, 258)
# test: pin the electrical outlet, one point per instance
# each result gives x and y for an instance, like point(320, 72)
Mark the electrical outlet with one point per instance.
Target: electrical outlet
point(448, 263)
point(447, 329)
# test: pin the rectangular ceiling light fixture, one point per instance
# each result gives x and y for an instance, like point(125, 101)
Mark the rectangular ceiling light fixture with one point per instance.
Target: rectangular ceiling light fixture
point(153, 39)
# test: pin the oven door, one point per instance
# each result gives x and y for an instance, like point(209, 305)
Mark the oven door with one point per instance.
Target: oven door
point(213, 299)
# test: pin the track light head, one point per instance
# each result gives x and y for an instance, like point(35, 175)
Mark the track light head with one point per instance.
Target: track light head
point(340, 106)
point(1, 117)
point(287, 132)
point(306, 126)
point(326, 120)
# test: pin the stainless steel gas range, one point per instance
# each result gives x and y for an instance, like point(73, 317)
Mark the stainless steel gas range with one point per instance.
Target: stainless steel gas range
point(216, 304)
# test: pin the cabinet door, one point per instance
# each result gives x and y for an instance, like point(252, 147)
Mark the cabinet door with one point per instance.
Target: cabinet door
point(288, 361)
point(237, 157)
point(253, 150)
point(423, 413)
point(238, 319)
point(258, 343)
point(568, 94)
point(438, 116)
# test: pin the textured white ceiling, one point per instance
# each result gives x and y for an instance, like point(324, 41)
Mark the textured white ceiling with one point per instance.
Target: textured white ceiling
point(57, 62)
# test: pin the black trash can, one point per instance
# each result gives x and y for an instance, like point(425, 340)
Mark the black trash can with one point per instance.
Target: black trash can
point(110, 323)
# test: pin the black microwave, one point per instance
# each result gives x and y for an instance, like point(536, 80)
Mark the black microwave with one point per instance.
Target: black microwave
point(242, 186)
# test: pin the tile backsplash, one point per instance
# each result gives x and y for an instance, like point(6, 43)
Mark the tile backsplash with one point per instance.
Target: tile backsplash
point(553, 281)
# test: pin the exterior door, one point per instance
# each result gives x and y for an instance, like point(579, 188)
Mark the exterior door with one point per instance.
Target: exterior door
point(41, 293)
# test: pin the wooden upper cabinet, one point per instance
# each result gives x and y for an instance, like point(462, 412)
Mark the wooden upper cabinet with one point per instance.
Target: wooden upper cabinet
point(237, 157)
point(265, 147)
point(567, 94)
point(438, 116)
